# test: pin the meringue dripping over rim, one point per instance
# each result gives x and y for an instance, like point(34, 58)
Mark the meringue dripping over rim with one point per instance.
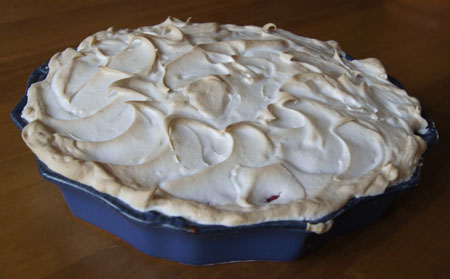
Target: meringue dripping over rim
point(223, 124)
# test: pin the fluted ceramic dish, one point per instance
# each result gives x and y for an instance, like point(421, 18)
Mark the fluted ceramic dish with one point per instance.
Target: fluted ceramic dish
point(187, 242)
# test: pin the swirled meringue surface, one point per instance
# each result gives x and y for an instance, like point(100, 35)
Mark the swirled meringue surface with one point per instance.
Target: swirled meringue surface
point(223, 124)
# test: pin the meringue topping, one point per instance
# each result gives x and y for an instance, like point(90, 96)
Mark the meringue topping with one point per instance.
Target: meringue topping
point(223, 124)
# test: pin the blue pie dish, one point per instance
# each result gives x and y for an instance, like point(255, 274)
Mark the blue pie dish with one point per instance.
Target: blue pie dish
point(187, 242)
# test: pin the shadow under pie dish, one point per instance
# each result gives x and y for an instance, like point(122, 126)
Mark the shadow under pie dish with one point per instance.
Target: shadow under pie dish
point(205, 241)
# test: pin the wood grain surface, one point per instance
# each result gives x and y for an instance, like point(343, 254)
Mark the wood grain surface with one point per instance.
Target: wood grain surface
point(40, 238)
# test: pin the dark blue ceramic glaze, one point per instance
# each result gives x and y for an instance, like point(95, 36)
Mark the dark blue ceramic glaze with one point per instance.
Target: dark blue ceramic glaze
point(187, 242)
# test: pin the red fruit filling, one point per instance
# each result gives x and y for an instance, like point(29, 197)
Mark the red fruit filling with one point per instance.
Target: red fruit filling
point(272, 198)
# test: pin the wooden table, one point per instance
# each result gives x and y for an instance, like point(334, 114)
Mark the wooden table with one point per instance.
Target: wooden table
point(39, 237)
